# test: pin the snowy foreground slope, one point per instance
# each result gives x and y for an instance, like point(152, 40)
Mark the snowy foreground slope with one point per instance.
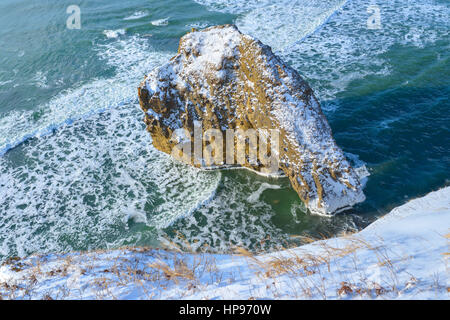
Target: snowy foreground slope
point(401, 256)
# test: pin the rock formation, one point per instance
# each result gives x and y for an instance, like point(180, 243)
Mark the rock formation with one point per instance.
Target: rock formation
point(222, 80)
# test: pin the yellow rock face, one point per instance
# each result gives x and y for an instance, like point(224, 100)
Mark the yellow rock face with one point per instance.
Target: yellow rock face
point(223, 82)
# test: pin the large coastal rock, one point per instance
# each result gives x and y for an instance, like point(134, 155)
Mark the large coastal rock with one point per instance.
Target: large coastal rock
point(224, 80)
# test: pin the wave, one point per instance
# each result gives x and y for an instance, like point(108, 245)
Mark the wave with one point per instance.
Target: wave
point(283, 23)
point(329, 42)
point(97, 183)
point(278, 23)
point(111, 34)
point(345, 49)
point(136, 15)
point(160, 22)
point(88, 176)
point(232, 218)
point(131, 58)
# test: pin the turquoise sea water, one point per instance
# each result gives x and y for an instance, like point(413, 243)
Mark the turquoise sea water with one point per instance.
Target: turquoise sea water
point(77, 170)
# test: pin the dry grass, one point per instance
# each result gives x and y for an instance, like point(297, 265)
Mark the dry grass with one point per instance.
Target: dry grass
point(311, 275)
point(153, 272)
point(148, 270)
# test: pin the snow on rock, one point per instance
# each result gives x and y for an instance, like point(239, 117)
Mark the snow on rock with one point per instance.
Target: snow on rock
point(224, 80)
point(401, 256)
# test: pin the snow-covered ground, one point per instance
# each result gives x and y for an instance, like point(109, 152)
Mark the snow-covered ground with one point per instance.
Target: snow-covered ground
point(403, 255)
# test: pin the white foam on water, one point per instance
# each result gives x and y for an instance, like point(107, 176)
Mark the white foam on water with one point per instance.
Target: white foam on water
point(86, 185)
point(137, 15)
point(257, 194)
point(111, 34)
point(359, 166)
point(199, 25)
point(234, 6)
point(160, 22)
point(230, 219)
point(2, 83)
point(295, 208)
point(278, 23)
point(132, 57)
point(345, 49)
point(40, 80)
point(285, 22)
point(329, 42)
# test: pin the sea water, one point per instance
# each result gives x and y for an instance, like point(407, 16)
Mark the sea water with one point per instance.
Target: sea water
point(77, 168)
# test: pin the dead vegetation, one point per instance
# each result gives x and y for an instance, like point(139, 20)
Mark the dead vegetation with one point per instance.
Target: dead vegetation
point(150, 274)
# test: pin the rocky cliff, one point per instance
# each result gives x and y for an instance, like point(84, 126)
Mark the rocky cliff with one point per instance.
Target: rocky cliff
point(225, 89)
